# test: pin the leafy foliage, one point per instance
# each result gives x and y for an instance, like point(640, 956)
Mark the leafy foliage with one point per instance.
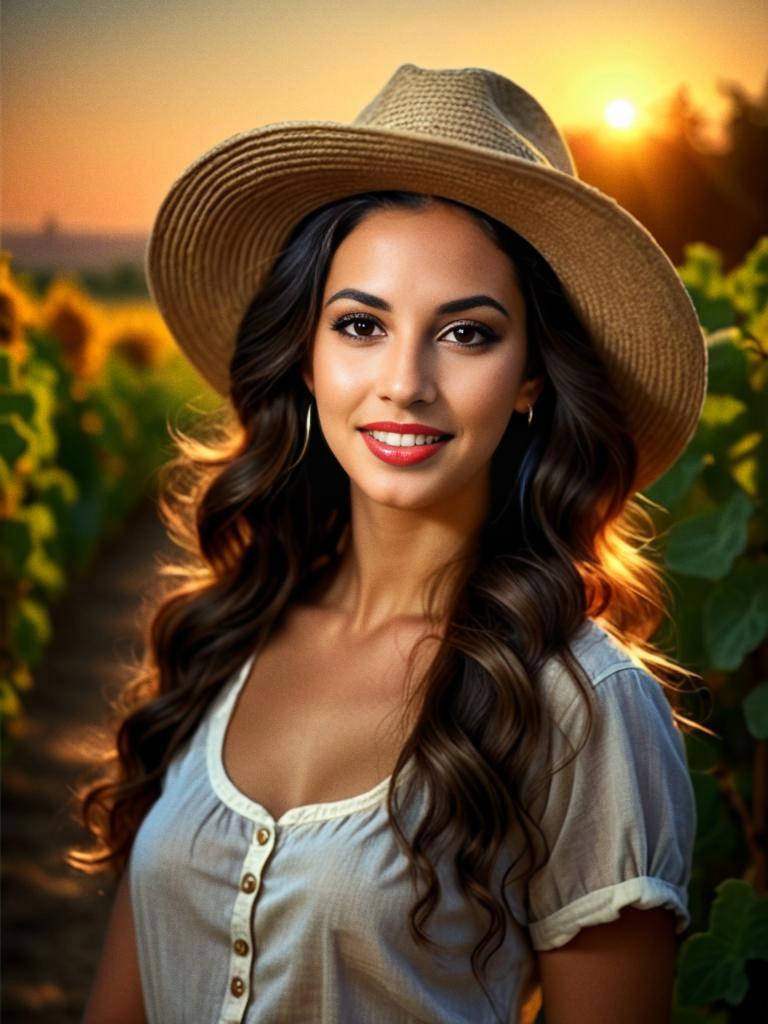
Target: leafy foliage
point(81, 437)
point(712, 521)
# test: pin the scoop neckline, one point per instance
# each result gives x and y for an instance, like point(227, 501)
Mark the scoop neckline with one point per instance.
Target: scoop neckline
point(244, 805)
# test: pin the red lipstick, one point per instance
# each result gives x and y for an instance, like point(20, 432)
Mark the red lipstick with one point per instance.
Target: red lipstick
point(401, 455)
point(405, 428)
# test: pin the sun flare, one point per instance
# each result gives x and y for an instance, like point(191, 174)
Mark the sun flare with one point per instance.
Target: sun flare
point(620, 114)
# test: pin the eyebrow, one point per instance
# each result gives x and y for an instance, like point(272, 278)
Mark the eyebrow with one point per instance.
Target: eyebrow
point(454, 306)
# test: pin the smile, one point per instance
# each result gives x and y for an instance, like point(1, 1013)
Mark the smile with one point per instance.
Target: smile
point(403, 440)
point(402, 449)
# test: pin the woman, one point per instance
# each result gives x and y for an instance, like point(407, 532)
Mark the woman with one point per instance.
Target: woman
point(402, 749)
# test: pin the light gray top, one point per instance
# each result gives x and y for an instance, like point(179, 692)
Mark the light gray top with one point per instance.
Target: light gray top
point(243, 918)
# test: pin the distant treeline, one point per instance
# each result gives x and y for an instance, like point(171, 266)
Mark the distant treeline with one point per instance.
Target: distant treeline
point(677, 187)
point(668, 178)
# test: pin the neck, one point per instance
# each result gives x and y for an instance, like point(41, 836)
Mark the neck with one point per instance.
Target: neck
point(392, 553)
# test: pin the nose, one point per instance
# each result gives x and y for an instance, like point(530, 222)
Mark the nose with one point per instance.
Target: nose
point(406, 371)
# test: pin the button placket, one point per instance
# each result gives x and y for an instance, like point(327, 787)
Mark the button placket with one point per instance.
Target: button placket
point(241, 939)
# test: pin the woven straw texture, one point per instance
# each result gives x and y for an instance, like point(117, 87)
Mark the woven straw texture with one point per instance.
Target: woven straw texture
point(467, 134)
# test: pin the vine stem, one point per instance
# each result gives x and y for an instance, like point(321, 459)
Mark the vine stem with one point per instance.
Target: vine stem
point(724, 778)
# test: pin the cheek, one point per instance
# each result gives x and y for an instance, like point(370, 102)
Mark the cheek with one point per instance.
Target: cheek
point(485, 400)
point(339, 384)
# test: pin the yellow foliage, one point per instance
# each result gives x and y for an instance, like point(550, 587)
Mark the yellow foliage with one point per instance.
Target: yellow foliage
point(22, 678)
point(86, 330)
point(17, 310)
point(78, 324)
point(138, 332)
point(10, 706)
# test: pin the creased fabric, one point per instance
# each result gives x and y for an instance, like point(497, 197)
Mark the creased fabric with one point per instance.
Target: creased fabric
point(241, 918)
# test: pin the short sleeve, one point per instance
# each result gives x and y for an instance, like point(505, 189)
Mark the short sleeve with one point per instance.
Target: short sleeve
point(620, 818)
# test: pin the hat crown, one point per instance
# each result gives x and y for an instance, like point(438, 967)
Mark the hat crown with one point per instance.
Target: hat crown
point(469, 105)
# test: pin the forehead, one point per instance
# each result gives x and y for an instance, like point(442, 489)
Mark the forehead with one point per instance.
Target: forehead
point(441, 242)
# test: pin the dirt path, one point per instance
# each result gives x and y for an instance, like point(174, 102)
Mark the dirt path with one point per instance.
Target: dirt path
point(54, 917)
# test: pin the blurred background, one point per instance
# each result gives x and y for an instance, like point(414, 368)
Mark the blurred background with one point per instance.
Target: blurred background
point(104, 103)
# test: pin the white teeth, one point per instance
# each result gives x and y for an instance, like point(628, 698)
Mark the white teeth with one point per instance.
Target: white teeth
point(403, 440)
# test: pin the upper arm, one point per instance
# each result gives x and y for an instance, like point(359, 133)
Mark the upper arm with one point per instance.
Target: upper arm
point(622, 970)
point(116, 995)
point(619, 817)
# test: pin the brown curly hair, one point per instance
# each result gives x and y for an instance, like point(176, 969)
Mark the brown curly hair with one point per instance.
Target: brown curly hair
point(564, 540)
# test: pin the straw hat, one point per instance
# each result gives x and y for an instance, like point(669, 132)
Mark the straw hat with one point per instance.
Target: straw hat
point(468, 134)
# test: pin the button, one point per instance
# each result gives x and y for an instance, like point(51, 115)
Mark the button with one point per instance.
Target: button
point(237, 986)
point(248, 883)
point(263, 836)
point(241, 947)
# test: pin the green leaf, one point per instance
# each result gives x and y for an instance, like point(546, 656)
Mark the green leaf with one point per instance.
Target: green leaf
point(730, 912)
point(712, 964)
point(735, 616)
point(702, 275)
point(703, 267)
point(722, 410)
point(56, 485)
point(42, 524)
point(15, 547)
point(727, 365)
point(17, 402)
point(755, 707)
point(8, 370)
point(673, 486)
point(748, 283)
point(705, 545)
point(756, 939)
point(30, 629)
point(708, 969)
point(15, 439)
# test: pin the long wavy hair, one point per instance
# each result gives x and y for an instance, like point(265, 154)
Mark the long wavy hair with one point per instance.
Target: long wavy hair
point(565, 539)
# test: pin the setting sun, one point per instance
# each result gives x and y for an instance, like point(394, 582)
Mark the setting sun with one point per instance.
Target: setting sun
point(620, 114)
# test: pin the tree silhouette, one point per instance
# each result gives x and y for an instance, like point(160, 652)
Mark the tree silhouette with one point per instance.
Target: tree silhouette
point(681, 188)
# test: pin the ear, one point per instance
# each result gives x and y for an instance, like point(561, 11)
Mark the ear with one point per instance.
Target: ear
point(306, 375)
point(529, 392)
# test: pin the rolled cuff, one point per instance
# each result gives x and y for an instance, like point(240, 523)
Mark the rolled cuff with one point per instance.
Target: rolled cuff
point(604, 905)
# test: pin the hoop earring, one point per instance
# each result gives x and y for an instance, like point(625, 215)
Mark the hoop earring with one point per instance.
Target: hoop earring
point(306, 439)
point(530, 413)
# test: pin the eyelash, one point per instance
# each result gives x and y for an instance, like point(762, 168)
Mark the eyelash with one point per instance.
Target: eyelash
point(488, 335)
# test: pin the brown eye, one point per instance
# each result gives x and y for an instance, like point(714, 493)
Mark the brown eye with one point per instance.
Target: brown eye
point(363, 325)
point(465, 331)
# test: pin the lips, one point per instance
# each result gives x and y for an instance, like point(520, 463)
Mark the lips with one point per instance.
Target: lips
point(391, 427)
point(401, 455)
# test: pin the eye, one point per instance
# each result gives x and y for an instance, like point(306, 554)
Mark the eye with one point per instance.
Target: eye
point(358, 319)
point(470, 327)
point(365, 325)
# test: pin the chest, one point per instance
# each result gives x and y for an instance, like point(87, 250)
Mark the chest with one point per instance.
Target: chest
point(318, 720)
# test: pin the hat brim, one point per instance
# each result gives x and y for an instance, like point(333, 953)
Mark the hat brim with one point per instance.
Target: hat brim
point(223, 221)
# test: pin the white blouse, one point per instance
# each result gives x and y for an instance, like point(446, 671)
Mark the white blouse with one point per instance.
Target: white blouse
point(241, 918)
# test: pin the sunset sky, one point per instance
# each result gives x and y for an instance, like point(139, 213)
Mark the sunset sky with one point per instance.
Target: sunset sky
point(105, 102)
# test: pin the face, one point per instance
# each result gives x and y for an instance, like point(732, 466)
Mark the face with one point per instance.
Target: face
point(391, 355)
